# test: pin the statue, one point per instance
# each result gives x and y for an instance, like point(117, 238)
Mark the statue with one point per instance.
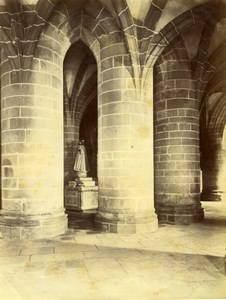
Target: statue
point(81, 166)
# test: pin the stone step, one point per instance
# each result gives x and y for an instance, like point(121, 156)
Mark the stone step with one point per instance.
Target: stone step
point(87, 181)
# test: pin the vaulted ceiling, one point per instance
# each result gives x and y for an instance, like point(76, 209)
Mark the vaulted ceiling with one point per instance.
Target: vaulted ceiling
point(144, 23)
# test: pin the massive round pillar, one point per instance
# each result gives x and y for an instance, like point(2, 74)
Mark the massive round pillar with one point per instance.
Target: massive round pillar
point(32, 150)
point(177, 167)
point(125, 150)
point(213, 169)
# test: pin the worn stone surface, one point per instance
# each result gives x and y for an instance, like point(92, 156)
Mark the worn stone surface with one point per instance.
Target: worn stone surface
point(174, 262)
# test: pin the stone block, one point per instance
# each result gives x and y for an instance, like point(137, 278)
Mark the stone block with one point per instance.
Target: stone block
point(5, 124)
point(18, 89)
point(107, 63)
point(181, 103)
point(114, 144)
point(81, 198)
point(113, 50)
point(177, 93)
point(192, 112)
point(184, 83)
point(44, 53)
point(12, 205)
point(56, 82)
point(110, 85)
point(13, 136)
point(10, 112)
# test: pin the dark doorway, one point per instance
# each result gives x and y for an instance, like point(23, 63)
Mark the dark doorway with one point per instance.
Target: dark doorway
point(88, 132)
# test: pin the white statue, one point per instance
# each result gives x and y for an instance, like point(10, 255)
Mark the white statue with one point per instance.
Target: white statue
point(81, 166)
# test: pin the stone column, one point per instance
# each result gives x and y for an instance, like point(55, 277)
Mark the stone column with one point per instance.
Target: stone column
point(213, 170)
point(125, 149)
point(177, 170)
point(32, 151)
point(71, 137)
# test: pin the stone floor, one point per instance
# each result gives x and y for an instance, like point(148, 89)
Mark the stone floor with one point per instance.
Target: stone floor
point(175, 262)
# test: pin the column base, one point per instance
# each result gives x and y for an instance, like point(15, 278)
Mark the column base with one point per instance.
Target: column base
point(26, 226)
point(180, 215)
point(125, 222)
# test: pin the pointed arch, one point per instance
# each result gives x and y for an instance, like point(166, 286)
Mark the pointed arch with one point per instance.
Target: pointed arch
point(174, 28)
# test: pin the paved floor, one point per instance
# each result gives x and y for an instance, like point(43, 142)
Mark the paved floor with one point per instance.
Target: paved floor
point(175, 262)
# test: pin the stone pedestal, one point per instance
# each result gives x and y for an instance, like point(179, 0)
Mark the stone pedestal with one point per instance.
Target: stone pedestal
point(81, 194)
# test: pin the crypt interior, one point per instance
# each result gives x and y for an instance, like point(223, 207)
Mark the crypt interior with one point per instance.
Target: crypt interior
point(113, 149)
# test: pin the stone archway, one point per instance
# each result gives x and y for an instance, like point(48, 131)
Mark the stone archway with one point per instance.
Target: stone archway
point(80, 123)
point(80, 88)
point(212, 137)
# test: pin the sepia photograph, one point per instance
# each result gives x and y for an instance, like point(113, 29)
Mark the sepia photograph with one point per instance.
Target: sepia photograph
point(113, 149)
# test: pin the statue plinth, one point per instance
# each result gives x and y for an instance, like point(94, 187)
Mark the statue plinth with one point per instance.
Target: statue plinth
point(81, 174)
point(81, 194)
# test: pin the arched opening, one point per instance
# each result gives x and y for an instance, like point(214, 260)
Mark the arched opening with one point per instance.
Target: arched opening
point(212, 148)
point(80, 123)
